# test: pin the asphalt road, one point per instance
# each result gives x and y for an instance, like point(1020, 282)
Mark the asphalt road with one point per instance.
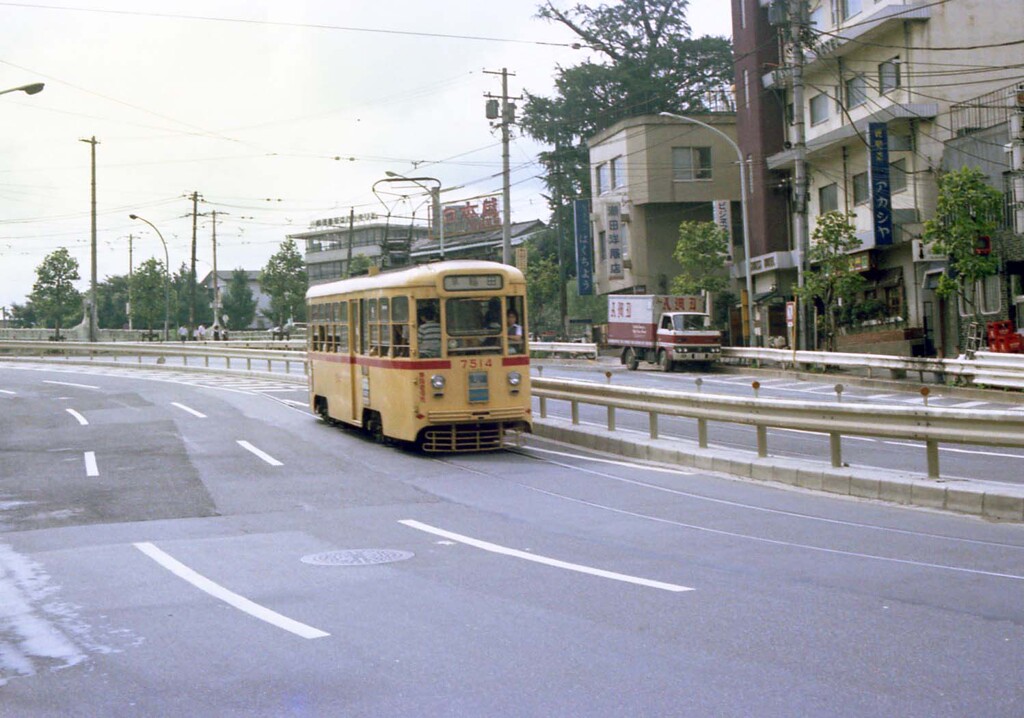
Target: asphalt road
point(191, 545)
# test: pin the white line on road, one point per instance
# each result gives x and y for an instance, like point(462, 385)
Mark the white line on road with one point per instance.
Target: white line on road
point(262, 454)
point(191, 411)
point(90, 464)
point(495, 548)
point(880, 396)
point(68, 383)
point(5, 391)
point(968, 405)
point(81, 419)
point(630, 464)
point(229, 597)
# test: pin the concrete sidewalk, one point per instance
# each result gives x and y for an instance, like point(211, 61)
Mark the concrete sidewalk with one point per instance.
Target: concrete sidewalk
point(990, 500)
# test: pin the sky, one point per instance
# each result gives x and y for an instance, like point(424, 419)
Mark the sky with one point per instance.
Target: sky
point(277, 112)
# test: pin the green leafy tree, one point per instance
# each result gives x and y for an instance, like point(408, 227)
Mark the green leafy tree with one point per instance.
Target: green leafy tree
point(701, 251)
point(238, 302)
point(360, 265)
point(968, 208)
point(23, 315)
point(831, 281)
point(646, 62)
point(54, 297)
point(284, 280)
point(542, 293)
point(148, 295)
point(112, 302)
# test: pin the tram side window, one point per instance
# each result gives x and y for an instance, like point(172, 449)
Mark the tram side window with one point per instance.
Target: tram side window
point(341, 330)
point(371, 328)
point(384, 333)
point(515, 325)
point(400, 326)
point(428, 328)
point(319, 333)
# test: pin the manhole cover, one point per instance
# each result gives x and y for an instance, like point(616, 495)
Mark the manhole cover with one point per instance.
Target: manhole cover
point(357, 557)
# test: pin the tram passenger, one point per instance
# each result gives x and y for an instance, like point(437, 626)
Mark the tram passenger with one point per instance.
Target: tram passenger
point(428, 334)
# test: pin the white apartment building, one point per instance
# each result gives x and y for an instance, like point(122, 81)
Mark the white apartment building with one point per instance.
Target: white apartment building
point(903, 63)
point(649, 174)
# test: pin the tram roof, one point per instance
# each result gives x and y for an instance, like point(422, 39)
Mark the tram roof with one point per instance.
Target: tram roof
point(422, 274)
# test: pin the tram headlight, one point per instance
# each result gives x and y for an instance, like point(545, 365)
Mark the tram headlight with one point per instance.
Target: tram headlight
point(437, 382)
point(515, 379)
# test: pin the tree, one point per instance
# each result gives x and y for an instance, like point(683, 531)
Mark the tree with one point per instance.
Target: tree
point(23, 315)
point(967, 209)
point(239, 304)
point(53, 296)
point(647, 63)
point(832, 280)
point(542, 292)
point(112, 302)
point(360, 265)
point(149, 294)
point(701, 251)
point(284, 281)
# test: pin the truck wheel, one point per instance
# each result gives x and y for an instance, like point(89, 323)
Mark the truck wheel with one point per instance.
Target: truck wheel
point(631, 360)
point(663, 361)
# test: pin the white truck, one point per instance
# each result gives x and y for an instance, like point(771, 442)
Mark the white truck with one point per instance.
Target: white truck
point(662, 329)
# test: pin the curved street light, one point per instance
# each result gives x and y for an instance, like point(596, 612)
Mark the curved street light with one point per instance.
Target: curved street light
point(435, 196)
point(27, 89)
point(167, 275)
point(743, 206)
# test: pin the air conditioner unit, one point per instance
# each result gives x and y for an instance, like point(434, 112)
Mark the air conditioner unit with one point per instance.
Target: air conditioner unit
point(626, 217)
point(923, 252)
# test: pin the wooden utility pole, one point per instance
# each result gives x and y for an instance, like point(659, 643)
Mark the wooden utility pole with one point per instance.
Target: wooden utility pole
point(192, 270)
point(507, 118)
point(130, 267)
point(93, 316)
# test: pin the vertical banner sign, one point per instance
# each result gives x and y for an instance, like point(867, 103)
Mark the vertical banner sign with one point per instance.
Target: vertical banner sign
point(722, 213)
point(584, 248)
point(613, 221)
point(881, 199)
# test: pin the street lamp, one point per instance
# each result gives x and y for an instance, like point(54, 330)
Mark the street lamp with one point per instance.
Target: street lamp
point(743, 207)
point(27, 89)
point(435, 195)
point(167, 275)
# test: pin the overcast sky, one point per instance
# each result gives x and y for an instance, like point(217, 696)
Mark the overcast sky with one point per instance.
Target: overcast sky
point(277, 112)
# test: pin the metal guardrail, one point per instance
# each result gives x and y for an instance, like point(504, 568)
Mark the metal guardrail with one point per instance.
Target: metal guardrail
point(984, 369)
point(930, 425)
point(163, 351)
point(573, 349)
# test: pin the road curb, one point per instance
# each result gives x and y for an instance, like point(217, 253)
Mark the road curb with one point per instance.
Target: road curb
point(978, 498)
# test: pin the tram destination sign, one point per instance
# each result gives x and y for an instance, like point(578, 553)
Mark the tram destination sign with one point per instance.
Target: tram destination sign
point(472, 282)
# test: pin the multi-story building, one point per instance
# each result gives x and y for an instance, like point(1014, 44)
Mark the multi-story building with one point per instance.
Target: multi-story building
point(649, 174)
point(898, 64)
point(330, 244)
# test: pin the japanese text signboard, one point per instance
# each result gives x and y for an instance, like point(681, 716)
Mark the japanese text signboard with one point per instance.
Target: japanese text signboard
point(615, 248)
point(881, 197)
point(584, 248)
point(471, 216)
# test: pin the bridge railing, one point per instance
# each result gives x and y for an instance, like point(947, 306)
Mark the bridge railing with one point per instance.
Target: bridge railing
point(927, 424)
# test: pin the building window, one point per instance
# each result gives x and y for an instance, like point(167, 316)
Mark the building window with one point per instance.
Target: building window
point(889, 75)
point(691, 163)
point(601, 179)
point(828, 198)
point(991, 294)
point(818, 19)
point(617, 179)
point(898, 176)
point(849, 8)
point(819, 108)
point(861, 188)
point(856, 91)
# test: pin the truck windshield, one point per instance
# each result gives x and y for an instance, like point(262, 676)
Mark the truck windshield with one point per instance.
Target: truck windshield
point(688, 322)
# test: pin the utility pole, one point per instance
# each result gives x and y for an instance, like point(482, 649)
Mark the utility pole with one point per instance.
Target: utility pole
point(93, 315)
point(192, 271)
point(801, 230)
point(130, 267)
point(351, 238)
point(507, 118)
point(216, 289)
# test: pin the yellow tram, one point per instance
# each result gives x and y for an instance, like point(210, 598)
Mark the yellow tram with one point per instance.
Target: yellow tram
point(434, 355)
